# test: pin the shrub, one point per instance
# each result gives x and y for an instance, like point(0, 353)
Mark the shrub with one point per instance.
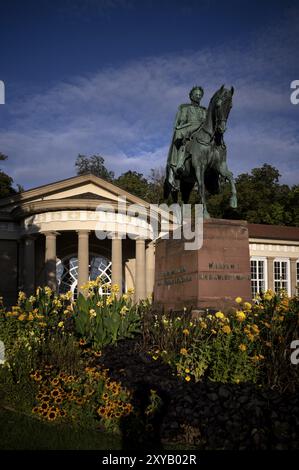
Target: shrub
point(251, 343)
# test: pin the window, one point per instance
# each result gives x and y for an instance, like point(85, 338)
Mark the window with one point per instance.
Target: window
point(282, 275)
point(258, 275)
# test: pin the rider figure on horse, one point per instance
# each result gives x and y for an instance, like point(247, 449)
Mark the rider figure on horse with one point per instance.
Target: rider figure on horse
point(189, 119)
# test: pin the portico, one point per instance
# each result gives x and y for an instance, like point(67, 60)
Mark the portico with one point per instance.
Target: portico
point(66, 233)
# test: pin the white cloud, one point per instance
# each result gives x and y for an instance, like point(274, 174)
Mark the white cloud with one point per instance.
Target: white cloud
point(126, 115)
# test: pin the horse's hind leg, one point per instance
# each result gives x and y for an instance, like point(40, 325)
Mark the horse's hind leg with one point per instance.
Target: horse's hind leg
point(186, 189)
point(224, 171)
point(175, 196)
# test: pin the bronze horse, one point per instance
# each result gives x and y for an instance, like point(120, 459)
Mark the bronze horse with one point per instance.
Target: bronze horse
point(205, 155)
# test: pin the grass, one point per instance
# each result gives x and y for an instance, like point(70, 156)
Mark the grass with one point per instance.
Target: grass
point(20, 432)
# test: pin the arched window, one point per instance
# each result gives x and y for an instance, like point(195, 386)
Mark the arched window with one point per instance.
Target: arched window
point(67, 272)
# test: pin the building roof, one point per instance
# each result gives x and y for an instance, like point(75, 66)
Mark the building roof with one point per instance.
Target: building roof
point(275, 232)
point(81, 181)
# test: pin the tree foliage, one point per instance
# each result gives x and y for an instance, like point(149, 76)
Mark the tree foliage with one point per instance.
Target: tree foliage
point(6, 181)
point(261, 199)
point(93, 164)
point(135, 183)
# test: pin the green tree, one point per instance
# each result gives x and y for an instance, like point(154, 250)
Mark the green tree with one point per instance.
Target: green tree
point(261, 199)
point(135, 183)
point(6, 181)
point(156, 185)
point(93, 164)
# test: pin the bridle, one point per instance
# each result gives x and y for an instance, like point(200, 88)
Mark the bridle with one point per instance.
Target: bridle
point(223, 103)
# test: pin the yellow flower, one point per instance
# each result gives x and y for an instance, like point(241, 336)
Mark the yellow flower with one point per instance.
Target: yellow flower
point(214, 332)
point(247, 306)
point(109, 300)
point(115, 288)
point(22, 296)
point(187, 378)
point(125, 297)
point(220, 315)
point(30, 317)
point(130, 291)
point(250, 336)
point(203, 325)
point(48, 290)
point(240, 315)
point(92, 313)
point(269, 294)
point(255, 329)
point(238, 300)
point(187, 370)
point(22, 317)
point(226, 329)
point(60, 324)
point(11, 314)
point(52, 415)
point(186, 332)
point(124, 310)
point(69, 295)
point(183, 351)
point(242, 347)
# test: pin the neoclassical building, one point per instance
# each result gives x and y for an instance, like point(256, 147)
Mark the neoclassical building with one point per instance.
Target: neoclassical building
point(64, 233)
point(59, 235)
point(274, 257)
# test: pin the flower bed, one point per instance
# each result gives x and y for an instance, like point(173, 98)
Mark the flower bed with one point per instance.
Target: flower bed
point(103, 362)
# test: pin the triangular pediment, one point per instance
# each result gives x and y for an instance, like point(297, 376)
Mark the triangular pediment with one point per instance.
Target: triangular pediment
point(79, 187)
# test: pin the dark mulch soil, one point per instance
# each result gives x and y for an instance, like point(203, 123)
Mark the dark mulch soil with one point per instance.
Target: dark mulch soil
point(206, 415)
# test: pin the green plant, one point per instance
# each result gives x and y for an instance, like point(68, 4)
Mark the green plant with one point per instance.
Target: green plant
point(105, 319)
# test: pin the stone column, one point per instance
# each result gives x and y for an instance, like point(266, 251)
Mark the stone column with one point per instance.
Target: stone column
point(83, 258)
point(150, 268)
point(20, 264)
point(29, 265)
point(270, 272)
point(140, 289)
point(117, 264)
point(293, 270)
point(50, 260)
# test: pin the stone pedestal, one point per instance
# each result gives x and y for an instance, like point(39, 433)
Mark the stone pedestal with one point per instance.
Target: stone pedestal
point(211, 277)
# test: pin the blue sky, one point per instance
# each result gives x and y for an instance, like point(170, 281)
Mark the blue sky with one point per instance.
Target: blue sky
point(107, 76)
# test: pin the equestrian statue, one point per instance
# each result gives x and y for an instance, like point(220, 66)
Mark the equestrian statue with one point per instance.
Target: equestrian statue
point(197, 154)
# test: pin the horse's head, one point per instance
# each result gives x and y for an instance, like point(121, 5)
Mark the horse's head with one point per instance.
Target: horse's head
point(222, 104)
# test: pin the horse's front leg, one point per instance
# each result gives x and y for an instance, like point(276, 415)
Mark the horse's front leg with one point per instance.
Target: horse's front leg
point(199, 173)
point(206, 214)
point(224, 171)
